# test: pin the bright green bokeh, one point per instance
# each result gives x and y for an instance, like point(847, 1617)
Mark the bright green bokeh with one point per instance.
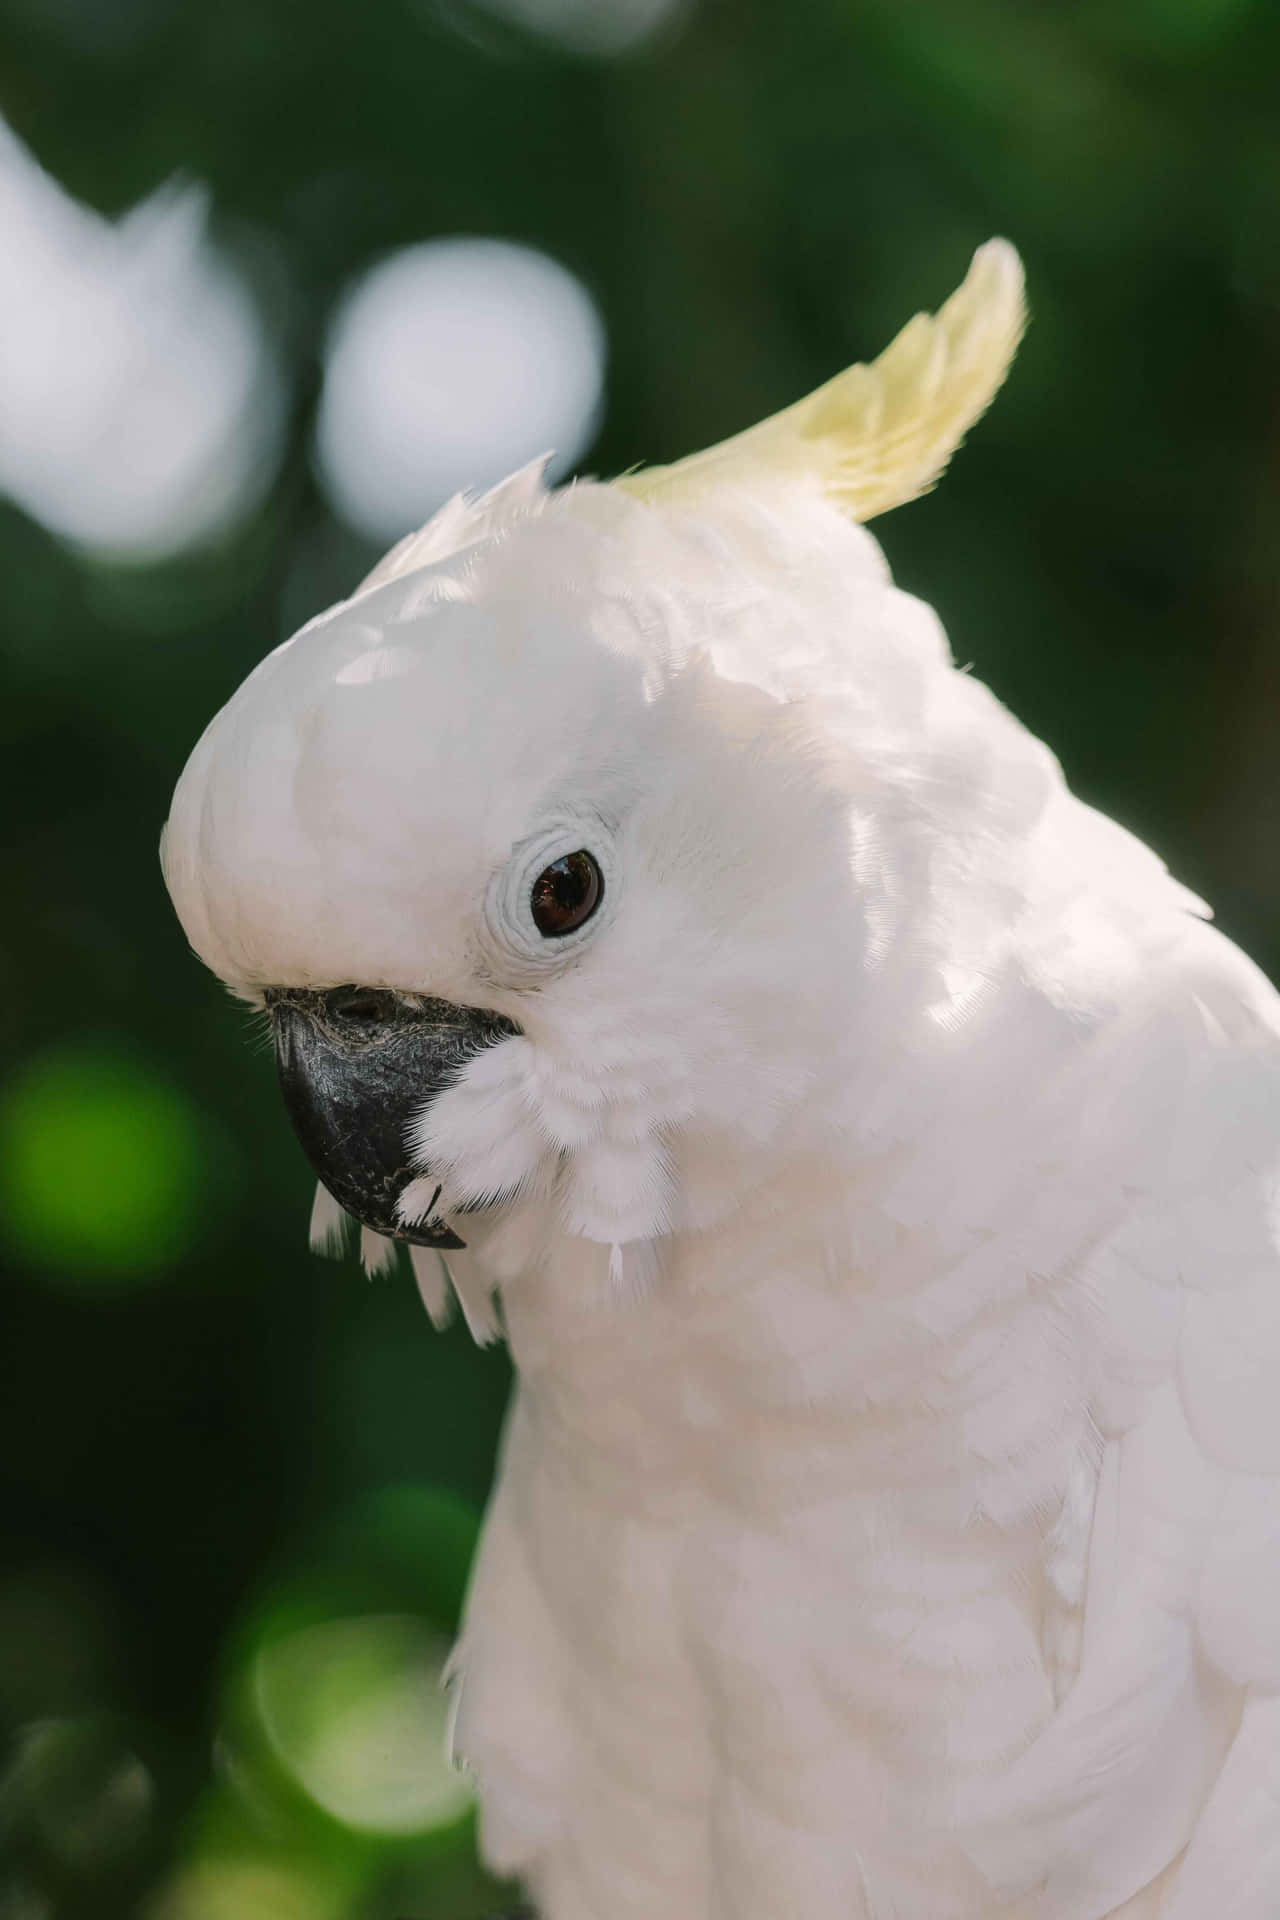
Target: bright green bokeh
point(354, 1712)
point(253, 1889)
point(101, 1168)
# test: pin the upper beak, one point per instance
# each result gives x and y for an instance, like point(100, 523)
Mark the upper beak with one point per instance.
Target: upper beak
point(357, 1065)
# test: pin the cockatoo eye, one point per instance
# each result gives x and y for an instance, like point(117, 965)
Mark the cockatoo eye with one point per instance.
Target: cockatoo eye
point(566, 894)
point(551, 898)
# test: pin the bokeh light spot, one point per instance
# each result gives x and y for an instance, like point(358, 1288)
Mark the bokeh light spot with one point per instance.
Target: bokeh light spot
point(140, 408)
point(600, 27)
point(100, 1168)
point(248, 1889)
point(354, 1711)
point(75, 1787)
point(450, 365)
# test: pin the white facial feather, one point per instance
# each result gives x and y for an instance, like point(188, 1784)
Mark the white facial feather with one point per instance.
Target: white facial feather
point(880, 1195)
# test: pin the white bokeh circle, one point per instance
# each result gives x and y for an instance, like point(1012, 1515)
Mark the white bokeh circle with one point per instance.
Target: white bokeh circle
point(141, 406)
point(599, 27)
point(449, 365)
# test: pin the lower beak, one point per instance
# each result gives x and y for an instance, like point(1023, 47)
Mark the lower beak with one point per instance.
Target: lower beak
point(357, 1067)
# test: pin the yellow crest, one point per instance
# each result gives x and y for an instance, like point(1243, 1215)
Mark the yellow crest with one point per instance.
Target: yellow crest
point(882, 434)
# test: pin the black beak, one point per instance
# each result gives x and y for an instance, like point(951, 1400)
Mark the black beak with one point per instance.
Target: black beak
point(357, 1064)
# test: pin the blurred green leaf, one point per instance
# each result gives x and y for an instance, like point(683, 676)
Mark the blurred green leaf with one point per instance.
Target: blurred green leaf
point(414, 1545)
point(103, 1168)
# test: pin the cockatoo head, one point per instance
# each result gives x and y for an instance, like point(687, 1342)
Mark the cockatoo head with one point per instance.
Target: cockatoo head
point(552, 851)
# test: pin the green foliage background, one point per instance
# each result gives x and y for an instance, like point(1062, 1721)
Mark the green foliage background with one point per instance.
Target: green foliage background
point(202, 1425)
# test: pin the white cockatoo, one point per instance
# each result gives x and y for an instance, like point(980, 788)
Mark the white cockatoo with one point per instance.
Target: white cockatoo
point(869, 1152)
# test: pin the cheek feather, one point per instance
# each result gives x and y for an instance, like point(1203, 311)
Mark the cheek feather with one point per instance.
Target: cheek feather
point(567, 1109)
point(478, 1137)
point(619, 1190)
point(517, 1126)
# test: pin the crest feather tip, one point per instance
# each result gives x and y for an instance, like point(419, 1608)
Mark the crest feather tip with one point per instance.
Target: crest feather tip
point(881, 433)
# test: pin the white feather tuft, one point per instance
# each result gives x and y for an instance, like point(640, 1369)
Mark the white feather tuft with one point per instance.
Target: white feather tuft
point(463, 520)
point(431, 1271)
point(331, 1227)
point(476, 1296)
point(417, 1201)
point(377, 1253)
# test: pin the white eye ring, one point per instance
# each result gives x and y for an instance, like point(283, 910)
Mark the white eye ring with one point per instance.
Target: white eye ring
point(508, 912)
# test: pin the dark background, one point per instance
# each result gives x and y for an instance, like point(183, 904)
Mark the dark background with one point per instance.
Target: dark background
point(211, 1439)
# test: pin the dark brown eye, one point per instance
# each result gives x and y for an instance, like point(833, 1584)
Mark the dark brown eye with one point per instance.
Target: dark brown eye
point(566, 894)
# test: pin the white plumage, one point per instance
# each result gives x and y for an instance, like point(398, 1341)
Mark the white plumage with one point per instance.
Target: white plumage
point(885, 1200)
